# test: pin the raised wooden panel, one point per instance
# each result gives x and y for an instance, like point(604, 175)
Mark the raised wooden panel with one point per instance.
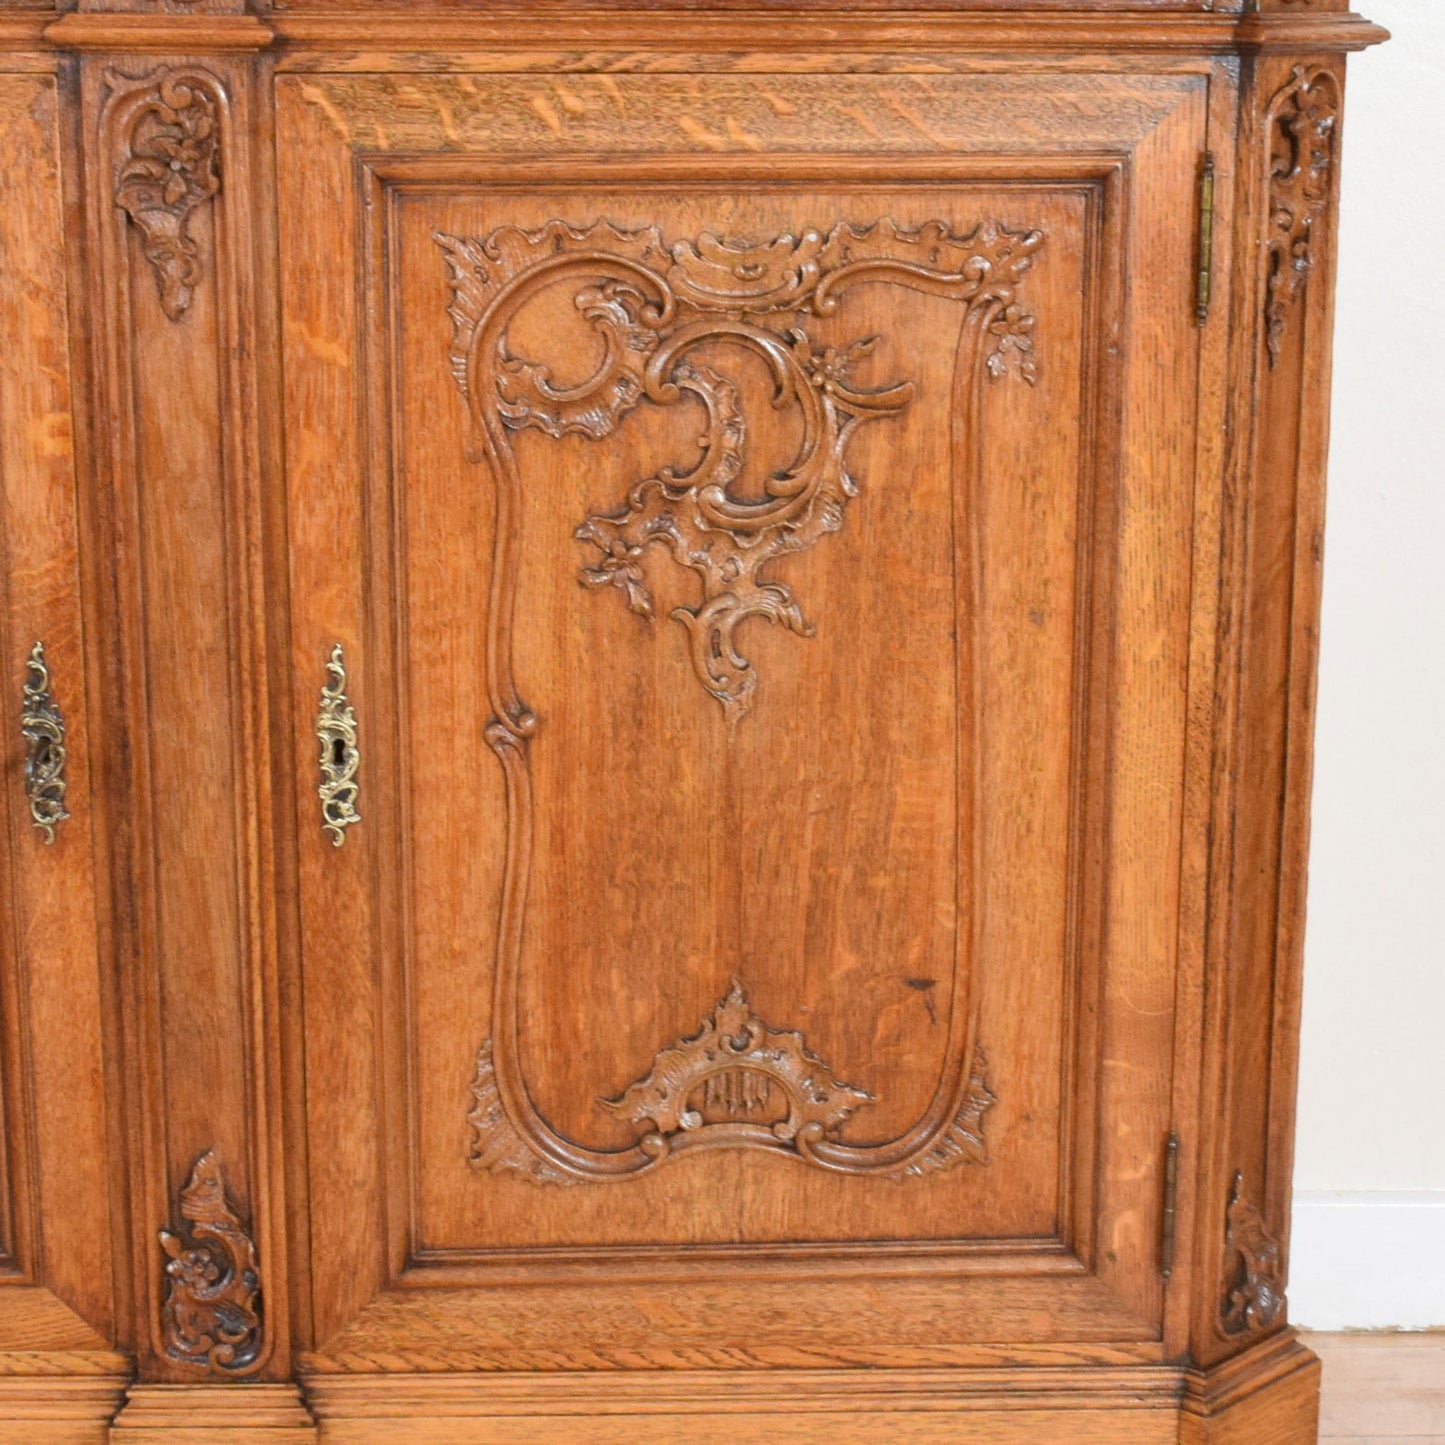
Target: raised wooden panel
point(181, 606)
point(56, 1293)
point(821, 828)
point(909, 847)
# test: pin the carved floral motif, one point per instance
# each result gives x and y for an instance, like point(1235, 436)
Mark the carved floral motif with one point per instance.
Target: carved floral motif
point(735, 1083)
point(1302, 121)
point(168, 166)
point(211, 1314)
point(653, 304)
point(1254, 1289)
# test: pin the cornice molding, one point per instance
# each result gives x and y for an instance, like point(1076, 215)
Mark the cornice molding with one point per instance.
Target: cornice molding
point(813, 31)
point(159, 34)
point(822, 32)
point(1296, 34)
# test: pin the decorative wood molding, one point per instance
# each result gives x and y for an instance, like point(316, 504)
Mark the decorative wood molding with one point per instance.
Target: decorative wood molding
point(43, 728)
point(168, 166)
point(1302, 128)
point(736, 1083)
point(211, 1315)
point(142, 34)
point(1292, 32)
point(652, 304)
point(261, 1414)
point(1254, 1281)
point(608, 38)
point(340, 753)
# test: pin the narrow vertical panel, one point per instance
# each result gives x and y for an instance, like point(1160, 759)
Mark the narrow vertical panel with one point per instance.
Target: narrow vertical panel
point(174, 302)
point(1288, 193)
point(57, 1215)
point(323, 448)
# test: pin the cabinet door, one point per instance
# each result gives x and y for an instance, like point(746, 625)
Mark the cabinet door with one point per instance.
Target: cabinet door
point(750, 521)
point(55, 1226)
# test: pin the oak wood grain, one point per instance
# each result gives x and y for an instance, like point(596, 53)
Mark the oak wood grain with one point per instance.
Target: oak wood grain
point(56, 1191)
point(827, 597)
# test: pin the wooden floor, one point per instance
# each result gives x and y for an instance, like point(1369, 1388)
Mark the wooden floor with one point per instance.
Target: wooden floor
point(1382, 1389)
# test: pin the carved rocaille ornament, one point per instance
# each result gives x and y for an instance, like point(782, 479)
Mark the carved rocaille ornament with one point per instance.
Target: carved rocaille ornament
point(43, 728)
point(1254, 1284)
point(736, 1083)
point(211, 1315)
point(1303, 133)
point(168, 165)
point(653, 305)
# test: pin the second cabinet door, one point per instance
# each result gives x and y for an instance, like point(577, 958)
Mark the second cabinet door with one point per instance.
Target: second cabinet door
point(749, 521)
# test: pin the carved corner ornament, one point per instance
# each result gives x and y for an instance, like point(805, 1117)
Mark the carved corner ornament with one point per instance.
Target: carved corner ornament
point(736, 1083)
point(211, 1315)
point(1254, 1283)
point(654, 305)
point(43, 728)
point(167, 165)
point(1303, 129)
point(340, 752)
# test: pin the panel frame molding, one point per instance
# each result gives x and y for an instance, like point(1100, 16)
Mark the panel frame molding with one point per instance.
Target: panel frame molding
point(369, 166)
point(215, 352)
point(381, 181)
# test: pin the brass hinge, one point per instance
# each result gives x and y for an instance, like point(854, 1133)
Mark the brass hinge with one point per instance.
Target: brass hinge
point(1171, 1204)
point(1204, 284)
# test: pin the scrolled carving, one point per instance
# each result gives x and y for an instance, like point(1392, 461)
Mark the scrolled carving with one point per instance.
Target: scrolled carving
point(340, 752)
point(211, 1315)
point(168, 166)
point(736, 1083)
point(653, 305)
point(1254, 1283)
point(1303, 133)
point(43, 728)
point(728, 1075)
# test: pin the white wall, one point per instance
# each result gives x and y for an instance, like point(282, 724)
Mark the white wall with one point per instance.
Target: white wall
point(1369, 1222)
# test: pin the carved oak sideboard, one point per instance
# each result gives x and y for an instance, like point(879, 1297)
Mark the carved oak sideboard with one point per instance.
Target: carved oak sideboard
point(661, 677)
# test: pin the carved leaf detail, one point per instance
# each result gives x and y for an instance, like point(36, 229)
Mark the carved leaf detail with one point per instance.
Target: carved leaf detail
point(963, 1141)
point(497, 1148)
point(211, 1316)
point(1254, 1296)
point(734, 1041)
point(651, 305)
point(1302, 121)
point(168, 166)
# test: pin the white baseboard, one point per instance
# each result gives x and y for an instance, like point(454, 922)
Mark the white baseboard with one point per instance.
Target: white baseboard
point(1371, 1261)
